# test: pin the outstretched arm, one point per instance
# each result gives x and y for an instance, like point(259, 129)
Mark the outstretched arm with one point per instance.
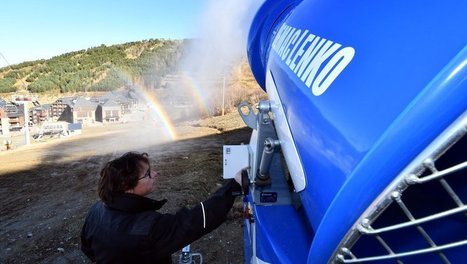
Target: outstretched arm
point(173, 232)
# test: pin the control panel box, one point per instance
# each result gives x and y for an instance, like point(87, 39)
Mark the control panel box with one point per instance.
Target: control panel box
point(236, 157)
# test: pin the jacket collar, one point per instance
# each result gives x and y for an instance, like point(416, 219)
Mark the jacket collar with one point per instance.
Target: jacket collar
point(135, 203)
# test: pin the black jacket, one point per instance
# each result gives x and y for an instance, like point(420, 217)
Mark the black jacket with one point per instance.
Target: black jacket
point(130, 230)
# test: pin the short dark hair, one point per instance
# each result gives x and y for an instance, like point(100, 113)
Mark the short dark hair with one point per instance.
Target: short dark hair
point(120, 175)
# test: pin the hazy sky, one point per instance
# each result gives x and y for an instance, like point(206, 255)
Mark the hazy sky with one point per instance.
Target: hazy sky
point(40, 29)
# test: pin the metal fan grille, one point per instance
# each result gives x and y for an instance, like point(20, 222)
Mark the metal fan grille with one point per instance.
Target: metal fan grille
point(422, 172)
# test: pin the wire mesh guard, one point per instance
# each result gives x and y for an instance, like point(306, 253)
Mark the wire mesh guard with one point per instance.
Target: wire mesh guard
point(422, 216)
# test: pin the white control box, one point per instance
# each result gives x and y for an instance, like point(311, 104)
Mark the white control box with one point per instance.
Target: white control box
point(236, 157)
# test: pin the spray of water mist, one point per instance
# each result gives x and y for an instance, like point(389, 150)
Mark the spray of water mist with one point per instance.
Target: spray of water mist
point(223, 30)
point(151, 101)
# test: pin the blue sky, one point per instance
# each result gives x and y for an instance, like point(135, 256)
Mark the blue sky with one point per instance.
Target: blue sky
point(40, 29)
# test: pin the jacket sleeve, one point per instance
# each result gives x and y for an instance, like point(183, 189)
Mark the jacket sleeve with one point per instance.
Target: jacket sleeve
point(85, 243)
point(173, 232)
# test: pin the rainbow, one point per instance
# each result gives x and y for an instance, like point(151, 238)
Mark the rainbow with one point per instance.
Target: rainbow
point(197, 93)
point(152, 102)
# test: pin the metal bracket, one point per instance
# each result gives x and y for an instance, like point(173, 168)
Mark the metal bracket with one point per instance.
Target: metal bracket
point(250, 117)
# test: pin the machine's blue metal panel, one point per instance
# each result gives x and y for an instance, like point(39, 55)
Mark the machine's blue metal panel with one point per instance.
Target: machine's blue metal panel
point(278, 242)
point(260, 34)
point(334, 131)
point(247, 241)
point(379, 112)
point(437, 106)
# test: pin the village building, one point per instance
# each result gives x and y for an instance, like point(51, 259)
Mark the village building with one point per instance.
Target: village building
point(108, 112)
point(16, 117)
point(61, 109)
point(4, 122)
point(40, 113)
point(74, 110)
point(11, 115)
point(83, 111)
point(126, 99)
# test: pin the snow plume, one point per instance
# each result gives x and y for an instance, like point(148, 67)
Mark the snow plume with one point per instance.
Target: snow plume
point(221, 43)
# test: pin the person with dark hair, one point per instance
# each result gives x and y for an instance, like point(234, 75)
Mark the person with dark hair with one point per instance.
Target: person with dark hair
point(125, 227)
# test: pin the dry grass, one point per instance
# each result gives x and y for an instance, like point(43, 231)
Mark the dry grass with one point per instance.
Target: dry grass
point(241, 86)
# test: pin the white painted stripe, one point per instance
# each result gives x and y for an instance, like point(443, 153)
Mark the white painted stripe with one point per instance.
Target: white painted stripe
point(204, 215)
point(259, 261)
point(285, 136)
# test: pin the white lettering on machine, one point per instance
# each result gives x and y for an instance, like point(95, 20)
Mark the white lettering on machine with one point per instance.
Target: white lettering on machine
point(304, 53)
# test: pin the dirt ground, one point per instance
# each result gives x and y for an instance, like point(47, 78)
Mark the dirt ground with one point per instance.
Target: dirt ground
point(47, 188)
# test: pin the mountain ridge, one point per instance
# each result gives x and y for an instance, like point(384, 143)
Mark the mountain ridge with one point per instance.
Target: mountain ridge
point(101, 68)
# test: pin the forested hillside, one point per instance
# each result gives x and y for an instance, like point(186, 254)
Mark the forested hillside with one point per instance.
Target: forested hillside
point(100, 68)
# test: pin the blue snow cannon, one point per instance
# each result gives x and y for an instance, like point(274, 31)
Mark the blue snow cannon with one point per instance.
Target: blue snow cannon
point(359, 155)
